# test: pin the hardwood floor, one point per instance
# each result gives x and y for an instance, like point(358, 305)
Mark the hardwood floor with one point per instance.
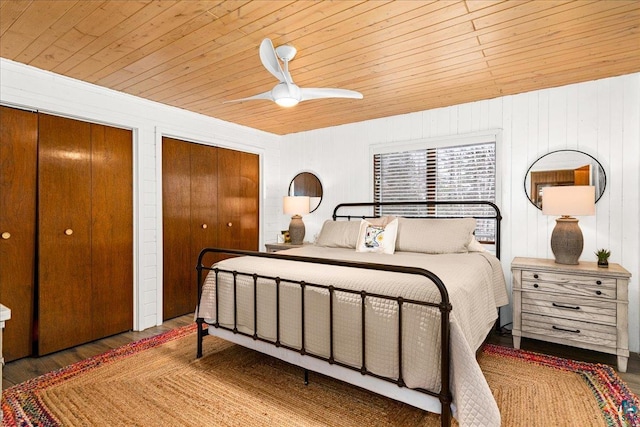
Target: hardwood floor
point(21, 370)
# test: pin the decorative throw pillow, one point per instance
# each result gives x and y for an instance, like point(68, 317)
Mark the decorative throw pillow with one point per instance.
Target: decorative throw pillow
point(377, 235)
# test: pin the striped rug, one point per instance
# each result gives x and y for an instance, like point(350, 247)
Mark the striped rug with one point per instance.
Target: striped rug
point(158, 382)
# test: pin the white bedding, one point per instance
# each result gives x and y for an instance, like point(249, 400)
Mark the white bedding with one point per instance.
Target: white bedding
point(476, 287)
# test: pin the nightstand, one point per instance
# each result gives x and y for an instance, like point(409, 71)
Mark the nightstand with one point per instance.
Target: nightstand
point(578, 305)
point(275, 247)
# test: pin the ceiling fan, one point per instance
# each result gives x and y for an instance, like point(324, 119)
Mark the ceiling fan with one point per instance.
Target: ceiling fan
point(286, 93)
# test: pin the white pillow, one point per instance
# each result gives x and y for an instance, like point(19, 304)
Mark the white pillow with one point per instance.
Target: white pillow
point(435, 235)
point(338, 234)
point(475, 246)
point(375, 236)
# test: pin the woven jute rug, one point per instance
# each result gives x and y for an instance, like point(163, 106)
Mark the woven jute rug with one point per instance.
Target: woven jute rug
point(158, 382)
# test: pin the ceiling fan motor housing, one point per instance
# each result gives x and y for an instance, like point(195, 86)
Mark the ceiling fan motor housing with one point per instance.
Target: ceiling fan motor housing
point(286, 52)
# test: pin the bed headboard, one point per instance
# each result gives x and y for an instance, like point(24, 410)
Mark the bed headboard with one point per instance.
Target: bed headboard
point(480, 210)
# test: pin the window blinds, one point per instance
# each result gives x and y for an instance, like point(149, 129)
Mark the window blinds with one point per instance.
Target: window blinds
point(463, 172)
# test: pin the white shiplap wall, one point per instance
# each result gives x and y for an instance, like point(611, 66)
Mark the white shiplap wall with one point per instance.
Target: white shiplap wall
point(601, 118)
point(32, 88)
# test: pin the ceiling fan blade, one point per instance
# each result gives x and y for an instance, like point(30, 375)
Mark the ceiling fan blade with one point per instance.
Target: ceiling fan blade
point(270, 60)
point(319, 93)
point(286, 93)
point(264, 95)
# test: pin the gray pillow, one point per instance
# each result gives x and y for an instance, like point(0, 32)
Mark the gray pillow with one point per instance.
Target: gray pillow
point(435, 236)
point(339, 234)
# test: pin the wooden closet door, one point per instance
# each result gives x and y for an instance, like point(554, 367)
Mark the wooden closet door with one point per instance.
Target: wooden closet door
point(178, 259)
point(204, 208)
point(112, 230)
point(238, 199)
point(229, 192)
point(250, 201)
point(18, 161)
point(64, 227)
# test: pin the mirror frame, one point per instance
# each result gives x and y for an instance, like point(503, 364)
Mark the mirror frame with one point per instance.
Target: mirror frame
point(604, 174)
point(290, 191)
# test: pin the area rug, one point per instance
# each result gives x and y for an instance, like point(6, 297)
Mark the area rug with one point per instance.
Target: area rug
point(158, 382)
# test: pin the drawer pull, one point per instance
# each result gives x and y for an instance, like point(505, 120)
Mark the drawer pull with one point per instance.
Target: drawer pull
point(598, 292)
point(535, 276)
point(535, 285)
point(575, 331)
point(599, 282)
point(570, 307)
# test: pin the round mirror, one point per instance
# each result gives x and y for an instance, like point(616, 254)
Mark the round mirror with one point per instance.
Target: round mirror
point(307, 184)
point(563, 167)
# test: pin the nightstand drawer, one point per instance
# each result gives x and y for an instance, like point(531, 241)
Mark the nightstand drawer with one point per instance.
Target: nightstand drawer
point(572, 330)
point(575, 289)
point(569, 279)
point(569, 308)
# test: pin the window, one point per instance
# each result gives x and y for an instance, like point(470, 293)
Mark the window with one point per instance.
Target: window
point(456, 172)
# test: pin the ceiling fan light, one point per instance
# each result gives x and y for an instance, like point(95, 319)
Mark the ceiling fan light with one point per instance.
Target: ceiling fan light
point(286, 95)
point(286, 102)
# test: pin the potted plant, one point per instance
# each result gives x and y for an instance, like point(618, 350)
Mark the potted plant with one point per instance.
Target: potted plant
point(603, 257)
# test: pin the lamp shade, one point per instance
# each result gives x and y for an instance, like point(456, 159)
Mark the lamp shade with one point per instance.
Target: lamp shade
point(295, 205)
point(569, 200)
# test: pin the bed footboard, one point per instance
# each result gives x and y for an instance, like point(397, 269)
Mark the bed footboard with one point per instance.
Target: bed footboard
point(444, 307)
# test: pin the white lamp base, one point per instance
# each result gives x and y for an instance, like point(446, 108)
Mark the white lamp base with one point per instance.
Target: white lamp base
point(296, 230)
point(567, 241)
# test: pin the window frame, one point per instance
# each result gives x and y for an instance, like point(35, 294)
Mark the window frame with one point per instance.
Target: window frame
point(489, 136)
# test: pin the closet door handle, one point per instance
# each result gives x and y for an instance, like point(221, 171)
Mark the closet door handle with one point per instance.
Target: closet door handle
point(6, 235)
point(68, 232)
point(204, 226)
point(229, 224)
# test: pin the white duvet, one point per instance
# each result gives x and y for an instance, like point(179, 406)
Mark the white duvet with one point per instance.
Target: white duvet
point(476, 287)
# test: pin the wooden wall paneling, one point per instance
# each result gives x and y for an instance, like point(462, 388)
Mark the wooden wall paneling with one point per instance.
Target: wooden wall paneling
point(582, 175)
point(176, 227)
point(431, 54)
point(64, 227)
point(18, 161)
point(112, 230)
point(204, 209)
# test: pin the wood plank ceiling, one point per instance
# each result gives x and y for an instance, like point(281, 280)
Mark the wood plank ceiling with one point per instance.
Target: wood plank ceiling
point(404, 56)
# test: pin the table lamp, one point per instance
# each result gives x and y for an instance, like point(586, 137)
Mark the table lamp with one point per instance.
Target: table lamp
point(566, 201)
point(296, 206)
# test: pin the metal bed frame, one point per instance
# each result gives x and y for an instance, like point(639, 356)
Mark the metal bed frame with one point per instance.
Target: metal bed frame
point(444, 306)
